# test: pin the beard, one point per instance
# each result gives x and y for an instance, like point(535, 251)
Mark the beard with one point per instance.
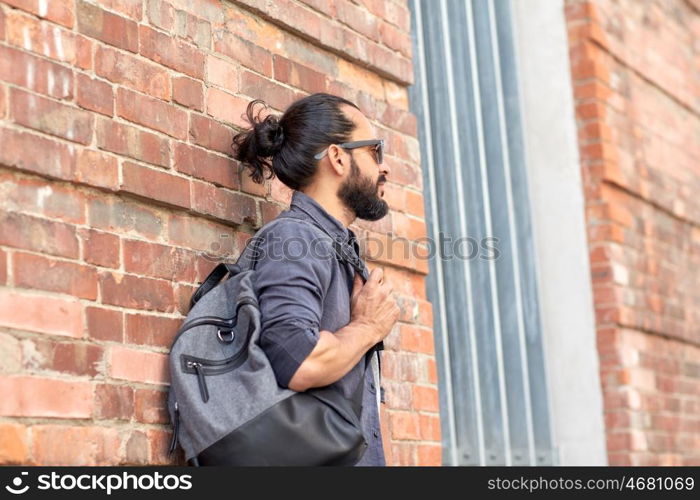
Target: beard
point(361, 195)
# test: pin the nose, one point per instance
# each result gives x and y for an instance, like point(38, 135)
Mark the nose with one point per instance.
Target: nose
point(384, 168)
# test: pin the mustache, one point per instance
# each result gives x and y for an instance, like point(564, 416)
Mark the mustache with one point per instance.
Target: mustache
point(381, 180)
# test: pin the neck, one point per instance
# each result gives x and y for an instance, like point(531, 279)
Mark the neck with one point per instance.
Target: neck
point(331, 203)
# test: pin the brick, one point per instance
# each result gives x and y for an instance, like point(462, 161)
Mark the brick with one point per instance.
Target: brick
point(398, 15)
point(110, 28)
point(76, 358)
point(160, 14)
point(358, 19)
point(395, 39)
point(125, 217)
point(39, 75)
point(170, 52)
point(10, 354)
point(137, 448)
point(155, 184)
point(405, 425)
point(98, 445)
point(40, 37)
point(135, 292)
point(160, 261)
point(130, 141)
point(113, 402)
point(152, 113)
point(38, 235)
point(34, 195)
point(429, 455)
point(425, 398)
point(3, 102)
point(276, 95)
point(84, 52)
point(100, 248)
point(94, 95)
point(293, 16)
point(222, 73)
point(58, 12)
point(204, 9)
point(403, 453)
point(269, 211)
point(183, 294)
point(226, 107)
point(416, 339)
point(431, 369)
point(398, 394)
point(130, 8)
point(429, 427)
point(151, 330)
point(244, 52)
point(188, 92)
point(159, 444)
point(132, 72)
point(226, 205)
point(151, 406)
point(199, 234)
point(193, 29)
point(204, 165)
point(55, 316)
point(50, 117)
point(328, 8)
point(45, 397)
point(98, 169)
point(34, 271)
point(14, 444)
point(104, 324)
point(33, 153)
point(415, 204)
point(3, 267)
point(138, 366)
point(210, 134)
point(298, 75)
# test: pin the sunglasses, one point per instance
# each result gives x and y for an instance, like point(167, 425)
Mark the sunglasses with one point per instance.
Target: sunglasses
point(378, 148)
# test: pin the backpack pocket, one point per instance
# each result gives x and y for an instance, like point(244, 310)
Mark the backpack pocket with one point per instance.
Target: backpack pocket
point(204, 368)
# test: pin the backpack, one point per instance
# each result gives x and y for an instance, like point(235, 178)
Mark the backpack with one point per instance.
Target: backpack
point(224, 402)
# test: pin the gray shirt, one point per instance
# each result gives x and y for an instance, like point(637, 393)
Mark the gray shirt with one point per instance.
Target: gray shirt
point(303, 289)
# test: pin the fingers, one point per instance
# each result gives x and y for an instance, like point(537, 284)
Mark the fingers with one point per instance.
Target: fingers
point(376, 276)
point(356, 285)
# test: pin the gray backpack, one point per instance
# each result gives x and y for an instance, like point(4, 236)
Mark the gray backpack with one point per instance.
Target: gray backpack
point(225, 405)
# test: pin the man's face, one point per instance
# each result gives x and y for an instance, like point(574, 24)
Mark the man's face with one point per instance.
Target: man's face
point(362, 190)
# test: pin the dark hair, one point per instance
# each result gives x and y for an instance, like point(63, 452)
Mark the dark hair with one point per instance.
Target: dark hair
point(286, 146)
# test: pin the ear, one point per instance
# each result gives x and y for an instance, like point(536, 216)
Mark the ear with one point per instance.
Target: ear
point(338, 159)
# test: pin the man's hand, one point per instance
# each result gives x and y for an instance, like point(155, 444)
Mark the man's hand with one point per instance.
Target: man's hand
point(373, 304)
point(373, 313)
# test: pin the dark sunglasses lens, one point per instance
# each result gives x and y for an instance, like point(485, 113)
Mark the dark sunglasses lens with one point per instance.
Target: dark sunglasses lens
point(379, 153)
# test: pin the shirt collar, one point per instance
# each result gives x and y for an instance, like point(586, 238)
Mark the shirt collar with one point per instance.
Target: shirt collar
point(312, 208)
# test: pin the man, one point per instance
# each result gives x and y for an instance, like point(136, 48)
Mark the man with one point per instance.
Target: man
point(318, 318)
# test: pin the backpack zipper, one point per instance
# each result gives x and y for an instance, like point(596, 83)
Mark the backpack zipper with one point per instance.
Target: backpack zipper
point(203, 367)
point(176, 428)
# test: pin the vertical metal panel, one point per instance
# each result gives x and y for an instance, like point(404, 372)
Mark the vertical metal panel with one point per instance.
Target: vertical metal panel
point(488, 342)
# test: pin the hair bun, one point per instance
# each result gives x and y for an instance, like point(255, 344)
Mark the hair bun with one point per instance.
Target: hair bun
point(269, 136)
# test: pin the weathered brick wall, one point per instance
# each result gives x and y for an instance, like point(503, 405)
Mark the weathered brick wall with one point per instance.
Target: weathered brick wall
point(117, 192)
point(636, 75)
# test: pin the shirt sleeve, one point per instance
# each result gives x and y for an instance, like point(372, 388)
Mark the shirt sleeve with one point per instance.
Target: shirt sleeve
point(292, 276)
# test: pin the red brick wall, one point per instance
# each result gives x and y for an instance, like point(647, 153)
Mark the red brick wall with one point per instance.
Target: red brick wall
point(116, 118)
point(636, 75)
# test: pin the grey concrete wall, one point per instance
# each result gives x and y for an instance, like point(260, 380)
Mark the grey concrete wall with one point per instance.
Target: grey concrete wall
point(557, 202)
